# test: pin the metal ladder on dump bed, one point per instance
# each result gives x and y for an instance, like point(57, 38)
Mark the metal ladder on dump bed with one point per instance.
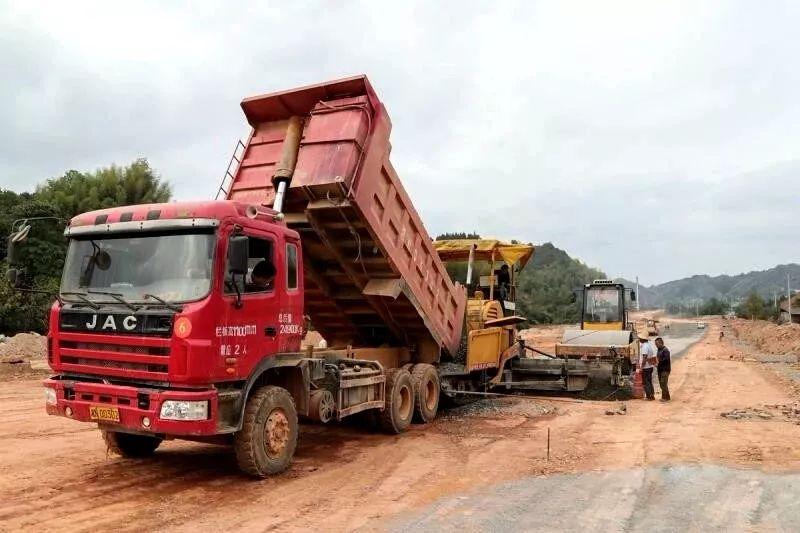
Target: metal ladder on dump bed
point(228, 177)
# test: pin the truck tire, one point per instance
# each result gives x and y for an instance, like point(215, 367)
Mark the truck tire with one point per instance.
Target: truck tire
point(266, 443)
point(426, 392)
point(399, 410)
point(130, 445)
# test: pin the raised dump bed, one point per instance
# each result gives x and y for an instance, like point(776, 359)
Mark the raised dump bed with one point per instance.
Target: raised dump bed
point(372, 276)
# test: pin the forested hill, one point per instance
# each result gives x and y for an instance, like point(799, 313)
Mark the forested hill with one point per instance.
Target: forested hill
point(544, 292)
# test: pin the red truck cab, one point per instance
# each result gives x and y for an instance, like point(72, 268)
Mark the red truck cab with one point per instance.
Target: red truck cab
point(155, 331)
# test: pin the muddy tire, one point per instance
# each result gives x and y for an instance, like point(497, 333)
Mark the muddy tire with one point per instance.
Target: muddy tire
point(130, 445)
point(399, 411)
point(266, 443)
point(426, 392)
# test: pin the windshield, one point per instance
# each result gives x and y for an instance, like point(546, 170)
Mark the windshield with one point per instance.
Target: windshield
point(602, 305)
point(173, 267)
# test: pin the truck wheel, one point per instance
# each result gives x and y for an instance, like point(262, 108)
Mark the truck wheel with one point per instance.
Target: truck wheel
point(266, 443)
point(399, 410)
point(426, 392)
point(130, 445)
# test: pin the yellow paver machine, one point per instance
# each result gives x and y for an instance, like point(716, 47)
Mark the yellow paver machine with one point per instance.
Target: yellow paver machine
point(606, 338)
point(491, 345)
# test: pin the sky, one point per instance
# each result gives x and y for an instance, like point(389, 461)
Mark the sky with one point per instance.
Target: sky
point(649, 139)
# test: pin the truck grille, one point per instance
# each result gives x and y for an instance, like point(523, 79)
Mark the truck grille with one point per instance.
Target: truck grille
point(117, 356)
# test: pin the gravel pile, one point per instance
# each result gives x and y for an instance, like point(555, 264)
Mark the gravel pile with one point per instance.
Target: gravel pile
point(493, 407)
point(749, 412)
point(789, 412)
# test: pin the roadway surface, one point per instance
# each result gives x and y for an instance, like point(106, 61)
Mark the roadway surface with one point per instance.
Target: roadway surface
point(662, 466)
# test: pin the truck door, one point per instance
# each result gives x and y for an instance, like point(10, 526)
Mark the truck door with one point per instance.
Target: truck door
point(291, 314)
point(251, 332)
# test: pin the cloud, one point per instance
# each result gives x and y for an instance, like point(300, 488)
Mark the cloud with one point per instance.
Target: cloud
point(650, 139)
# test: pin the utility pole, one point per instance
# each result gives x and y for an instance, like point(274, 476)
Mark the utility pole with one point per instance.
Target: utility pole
point(638, 294)
point(789, 295)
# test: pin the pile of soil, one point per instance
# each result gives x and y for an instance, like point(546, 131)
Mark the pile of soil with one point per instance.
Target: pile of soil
point(768, 337)
point(23, 347)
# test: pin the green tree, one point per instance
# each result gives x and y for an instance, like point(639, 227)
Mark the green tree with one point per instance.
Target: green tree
point(714, 306)
point(77, 192)
point(753, 307)
point(43, 254)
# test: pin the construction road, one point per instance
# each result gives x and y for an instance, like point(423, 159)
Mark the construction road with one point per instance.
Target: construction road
point(660, 467)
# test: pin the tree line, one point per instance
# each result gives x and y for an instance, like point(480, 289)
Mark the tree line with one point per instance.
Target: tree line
point(62, 197)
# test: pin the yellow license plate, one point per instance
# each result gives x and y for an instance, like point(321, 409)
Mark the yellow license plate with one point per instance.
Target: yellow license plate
point(106, 414)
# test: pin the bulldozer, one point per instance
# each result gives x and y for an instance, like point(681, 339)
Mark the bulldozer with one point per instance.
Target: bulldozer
point(491, 343)
point(606, 338)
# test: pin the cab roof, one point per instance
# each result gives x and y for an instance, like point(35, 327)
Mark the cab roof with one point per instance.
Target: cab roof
point(218, 210)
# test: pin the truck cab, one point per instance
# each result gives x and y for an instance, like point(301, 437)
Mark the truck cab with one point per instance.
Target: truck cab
point(162, 328)
point(163, 280)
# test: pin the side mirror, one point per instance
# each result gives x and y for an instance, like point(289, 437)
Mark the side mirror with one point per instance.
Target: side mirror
point(14, 278)
point(103, 260)
point(12, 252)
point(238, 254)
point(633, 296)
point(15, 240)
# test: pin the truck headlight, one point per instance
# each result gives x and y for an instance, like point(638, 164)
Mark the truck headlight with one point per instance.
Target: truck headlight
point(183, 410)
point(50, 396)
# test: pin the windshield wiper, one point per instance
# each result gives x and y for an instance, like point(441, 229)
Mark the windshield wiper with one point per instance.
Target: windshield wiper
point(82, 296)
point(165, 303)
point(118, 297)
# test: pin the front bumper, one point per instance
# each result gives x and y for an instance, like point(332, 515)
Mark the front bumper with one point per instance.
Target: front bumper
point(135, 404)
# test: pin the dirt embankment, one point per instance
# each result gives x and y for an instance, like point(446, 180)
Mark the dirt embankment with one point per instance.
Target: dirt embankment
point(768, 337)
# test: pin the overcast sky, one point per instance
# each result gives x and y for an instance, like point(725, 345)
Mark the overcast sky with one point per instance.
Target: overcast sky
point(650, 139)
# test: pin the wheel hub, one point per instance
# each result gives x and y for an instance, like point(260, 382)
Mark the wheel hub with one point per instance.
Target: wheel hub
point(276, 432)
point(405, 403)
point(430, 395)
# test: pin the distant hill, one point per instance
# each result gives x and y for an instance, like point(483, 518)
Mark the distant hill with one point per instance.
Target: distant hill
point(733, 288)
point(647, 297)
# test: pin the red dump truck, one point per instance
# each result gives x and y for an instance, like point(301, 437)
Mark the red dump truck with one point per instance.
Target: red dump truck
point(185, 320)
